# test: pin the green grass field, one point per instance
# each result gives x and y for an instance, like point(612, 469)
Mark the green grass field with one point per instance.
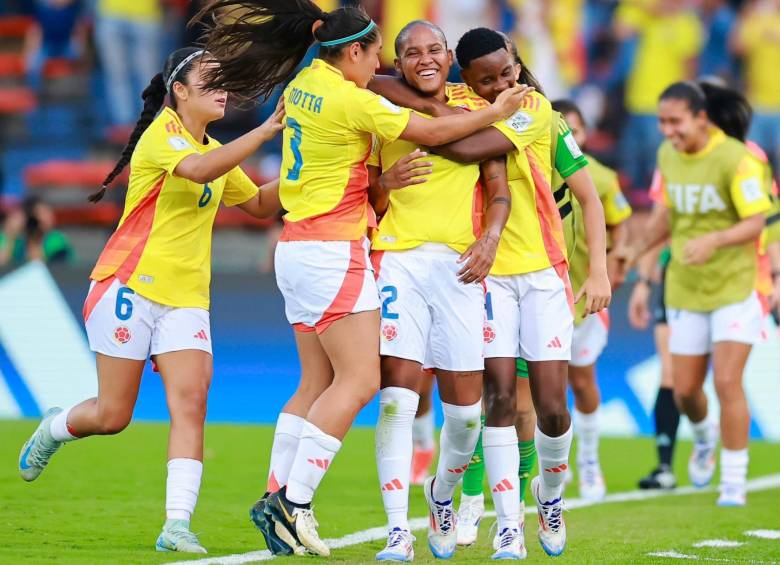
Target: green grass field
point(102, 501)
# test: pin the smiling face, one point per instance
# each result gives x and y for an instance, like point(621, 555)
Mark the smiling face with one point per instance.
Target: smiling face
point(491, 74)
point(685, 130)
point(208, 105)
point(424, 60)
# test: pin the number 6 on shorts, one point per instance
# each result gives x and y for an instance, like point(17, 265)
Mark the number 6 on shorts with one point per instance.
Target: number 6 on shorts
point(124, 306)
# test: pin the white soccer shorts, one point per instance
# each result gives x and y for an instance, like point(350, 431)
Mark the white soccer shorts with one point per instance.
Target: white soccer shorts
point(122, 323)
point(324, 281)
point(694, 333)
point(590, 339)
point(530, 315)
point(428, 315)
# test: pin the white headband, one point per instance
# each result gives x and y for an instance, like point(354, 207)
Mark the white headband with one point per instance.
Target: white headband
point(180, 66)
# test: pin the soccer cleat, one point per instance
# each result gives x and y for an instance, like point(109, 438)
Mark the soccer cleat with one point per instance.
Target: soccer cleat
point(510, 545)
point(732, 495)
point(295, 525)
point(421, 464)
point(552, 528)
point(659, 478)
point(176, 536)
point(701, 465)
point(37, 451)
point(399, 546)
point(494, 528)
point(442, 537)
point(264, 522)
point(470, 513)
point(592, 485)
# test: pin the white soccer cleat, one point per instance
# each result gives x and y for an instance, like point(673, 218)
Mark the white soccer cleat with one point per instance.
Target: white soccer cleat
point(442, 538)
point(176, 536)
point(552, 528)
point(399, 546)
point(592, 486)
point(494, 528)
point(38, 450)
point(701, 465)
point(470, 513)
point(732, 495)
point(509, 545)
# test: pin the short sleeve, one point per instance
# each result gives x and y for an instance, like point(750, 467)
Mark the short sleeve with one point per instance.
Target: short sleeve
point(164, 146)
point(747, 191)
point(569, 158)
point(239, 188)
point(375, 114)
point(527, 124)
point(616, 208)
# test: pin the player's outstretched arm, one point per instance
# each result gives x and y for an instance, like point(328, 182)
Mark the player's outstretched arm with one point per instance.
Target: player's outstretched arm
point(206, 167)
point(398, 92)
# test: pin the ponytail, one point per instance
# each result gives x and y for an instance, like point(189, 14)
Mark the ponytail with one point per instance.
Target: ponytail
point(177, 67)
point(153, 97)
point(725, 107)
point(260, 43)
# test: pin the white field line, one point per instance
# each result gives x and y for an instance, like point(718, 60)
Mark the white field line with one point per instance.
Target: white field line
point(761, 483)
point(676, 555)
point(719, 543)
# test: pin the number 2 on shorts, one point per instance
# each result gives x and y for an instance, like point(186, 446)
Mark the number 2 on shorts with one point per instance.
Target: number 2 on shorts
point(393, 296)
point(124, 306)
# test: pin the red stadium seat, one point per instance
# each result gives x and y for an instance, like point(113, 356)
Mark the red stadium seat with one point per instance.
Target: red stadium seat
point(62, 173)
point(100, 214)
point(17, 100)
point(15, 26)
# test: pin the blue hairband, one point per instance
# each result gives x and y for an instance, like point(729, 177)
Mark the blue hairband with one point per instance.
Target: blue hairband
point(352, 37)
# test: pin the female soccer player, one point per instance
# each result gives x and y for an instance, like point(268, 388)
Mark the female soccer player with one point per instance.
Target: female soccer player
point(714, 205)
point(428, 267)
point(322, 267)
point(150, 288)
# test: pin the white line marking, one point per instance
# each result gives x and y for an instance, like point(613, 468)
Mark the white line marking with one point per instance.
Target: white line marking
point(672, 555)
point(764, 534)
point(373, 534)
point(718, 543)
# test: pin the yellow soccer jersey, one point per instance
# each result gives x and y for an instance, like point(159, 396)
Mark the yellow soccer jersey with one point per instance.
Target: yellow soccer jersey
point(323, 183)
point(533, 237)
point(162, 246)
point(446, 209)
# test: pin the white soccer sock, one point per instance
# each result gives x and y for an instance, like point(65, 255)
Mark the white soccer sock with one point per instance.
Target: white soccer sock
point(502, 460)
point(286, 436)
point(424, 432)
point(586, 426)
point(316, 451)
point(59, 427)
point(458, 439)
point(553, 455)
point(702, 431)
point(182, 487)
point(733, 466)
point(397, 407)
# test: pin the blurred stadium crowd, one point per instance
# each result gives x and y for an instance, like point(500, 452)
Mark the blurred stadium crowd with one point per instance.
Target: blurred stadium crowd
point(71, 72)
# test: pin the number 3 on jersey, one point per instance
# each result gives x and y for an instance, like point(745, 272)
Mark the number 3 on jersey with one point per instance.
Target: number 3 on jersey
point(294, 173)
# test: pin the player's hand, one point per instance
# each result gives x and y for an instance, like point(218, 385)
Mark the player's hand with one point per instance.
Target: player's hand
point(638, 310)
point(624, 258)
point(478, 259)
point(699, 250)
point(274, 124)
point(509, 101)
point(597, 293)
point(407, 171)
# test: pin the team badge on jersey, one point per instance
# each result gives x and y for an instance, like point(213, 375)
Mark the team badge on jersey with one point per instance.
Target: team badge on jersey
point(519, 122)
point(389, 331)
point(122, 334)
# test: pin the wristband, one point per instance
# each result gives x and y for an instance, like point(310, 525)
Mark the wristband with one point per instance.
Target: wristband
point(645, 280)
